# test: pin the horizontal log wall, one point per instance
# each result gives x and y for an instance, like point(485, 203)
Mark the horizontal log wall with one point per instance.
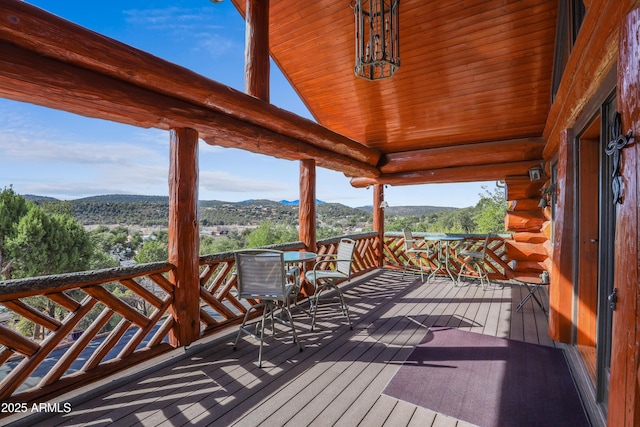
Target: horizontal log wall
point(526, 220)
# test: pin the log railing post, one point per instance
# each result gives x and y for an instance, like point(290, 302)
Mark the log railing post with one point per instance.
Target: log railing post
point(378, 221)
point(184, 236)
point(256, 73)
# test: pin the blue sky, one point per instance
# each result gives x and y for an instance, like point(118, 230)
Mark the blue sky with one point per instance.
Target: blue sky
point(62, 155)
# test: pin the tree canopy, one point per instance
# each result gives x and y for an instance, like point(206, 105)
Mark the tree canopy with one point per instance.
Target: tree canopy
point(39, 243)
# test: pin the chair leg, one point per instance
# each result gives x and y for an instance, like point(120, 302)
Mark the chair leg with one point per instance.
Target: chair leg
point(484, 276)
point(463, 268)
point(316, 297)
point(268, 311)
point(293, 329)
point(421, 266)
point(314, 303)
point(244, 321)
point(345, 307)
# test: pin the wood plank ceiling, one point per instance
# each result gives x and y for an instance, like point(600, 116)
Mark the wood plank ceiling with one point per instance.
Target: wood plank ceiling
point(469, 101)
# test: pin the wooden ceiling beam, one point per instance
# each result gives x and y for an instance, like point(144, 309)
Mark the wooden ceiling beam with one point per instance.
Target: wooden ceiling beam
point(28, 77)
point(491, 172)
point(41, 32)
point(509, 151)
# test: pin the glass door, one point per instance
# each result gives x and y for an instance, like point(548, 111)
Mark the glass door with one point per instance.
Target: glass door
point(605, 258)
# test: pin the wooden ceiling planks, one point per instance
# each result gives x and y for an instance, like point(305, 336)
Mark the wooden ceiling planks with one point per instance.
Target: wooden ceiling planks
point(472, 72)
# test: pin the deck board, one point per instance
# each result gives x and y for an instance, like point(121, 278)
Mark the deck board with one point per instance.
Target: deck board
point(339, 377)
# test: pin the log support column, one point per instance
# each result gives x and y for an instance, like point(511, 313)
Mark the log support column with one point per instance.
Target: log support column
point(624, 382)
point(307, 206)
point(256, 72)
point(378, 221)
point(184, 235)
point(307, 211)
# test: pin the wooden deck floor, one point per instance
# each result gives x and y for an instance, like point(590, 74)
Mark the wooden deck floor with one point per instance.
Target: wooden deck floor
point(336, 380)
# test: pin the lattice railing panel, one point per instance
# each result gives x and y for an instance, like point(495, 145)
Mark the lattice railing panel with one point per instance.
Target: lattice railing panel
point(59, 325)
point(497, 265)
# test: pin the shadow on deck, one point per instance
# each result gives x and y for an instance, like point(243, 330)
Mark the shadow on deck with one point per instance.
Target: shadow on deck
point(336, 380)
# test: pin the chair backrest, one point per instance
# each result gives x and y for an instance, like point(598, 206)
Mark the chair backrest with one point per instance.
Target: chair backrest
point(345, 252)
point(261, 274)
point(408, 239)
point(486, 244)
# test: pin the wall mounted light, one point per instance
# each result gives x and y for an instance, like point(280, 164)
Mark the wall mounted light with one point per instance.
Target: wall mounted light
point(535, 174)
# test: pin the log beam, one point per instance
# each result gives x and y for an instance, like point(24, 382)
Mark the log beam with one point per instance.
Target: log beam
point(490, 172)
point(514, 150)
point(522, 188)
point(525, 251)
point(524, 204)
point(28, 77)
point(523, 221)
point(47, 35)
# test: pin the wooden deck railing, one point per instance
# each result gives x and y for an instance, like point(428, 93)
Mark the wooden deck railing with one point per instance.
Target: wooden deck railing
point(84, 326)
point(120, 315)
point(498, 266)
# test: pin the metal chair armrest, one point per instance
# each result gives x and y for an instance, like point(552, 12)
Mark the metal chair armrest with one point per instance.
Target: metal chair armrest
point(332, 261)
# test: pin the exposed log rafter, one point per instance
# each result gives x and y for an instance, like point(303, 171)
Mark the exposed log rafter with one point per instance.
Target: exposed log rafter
point(514, 150)
point(490, 172)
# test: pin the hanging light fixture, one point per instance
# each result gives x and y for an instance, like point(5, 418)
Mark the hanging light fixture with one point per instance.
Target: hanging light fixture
point(377, 38)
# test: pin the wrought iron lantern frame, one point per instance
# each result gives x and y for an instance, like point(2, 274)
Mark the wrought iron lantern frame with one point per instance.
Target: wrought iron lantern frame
point(377, 37)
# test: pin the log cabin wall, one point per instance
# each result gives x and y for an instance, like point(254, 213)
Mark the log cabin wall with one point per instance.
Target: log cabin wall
point(624, 392)
point(608, 40)
point(527, 221)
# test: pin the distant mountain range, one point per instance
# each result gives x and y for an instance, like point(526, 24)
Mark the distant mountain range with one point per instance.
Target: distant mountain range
point(142, 210)
point(297, 202)
point(133, 198)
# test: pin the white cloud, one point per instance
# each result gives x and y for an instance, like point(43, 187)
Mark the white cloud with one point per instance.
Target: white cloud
point(40, 150)
point(224, 182)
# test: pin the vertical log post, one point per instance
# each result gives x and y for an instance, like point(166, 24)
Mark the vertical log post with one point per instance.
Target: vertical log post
point(307, 210)
point(624, 382)
point(378, 221)
point(561, 287)
point(307, 206)
point(256, 74)
point(183, 235)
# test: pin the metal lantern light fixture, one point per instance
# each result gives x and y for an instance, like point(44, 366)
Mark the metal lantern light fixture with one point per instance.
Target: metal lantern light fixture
point(377, 38)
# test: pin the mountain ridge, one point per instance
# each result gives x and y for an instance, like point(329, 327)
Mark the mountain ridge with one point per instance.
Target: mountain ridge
point(128, 209)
